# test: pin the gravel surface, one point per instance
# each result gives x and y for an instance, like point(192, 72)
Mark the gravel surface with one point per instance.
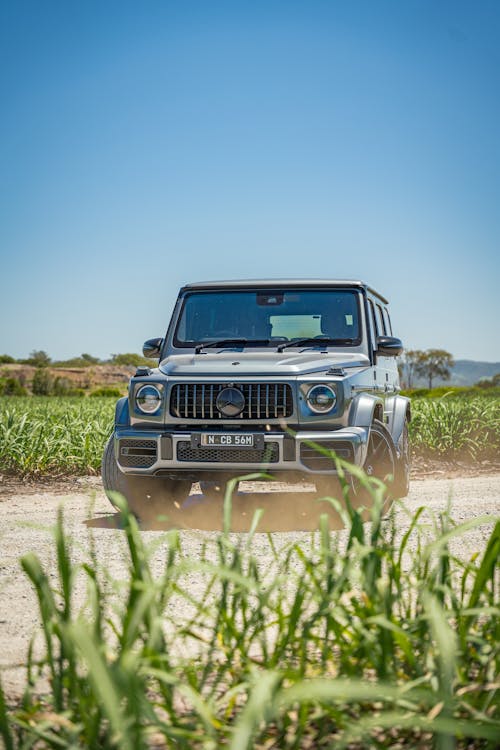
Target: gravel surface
point(27, 517)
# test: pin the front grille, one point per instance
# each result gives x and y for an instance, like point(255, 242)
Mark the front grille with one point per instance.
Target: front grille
point(137, 454)
point(316, 461)
point(267, 455)
point(262, 400)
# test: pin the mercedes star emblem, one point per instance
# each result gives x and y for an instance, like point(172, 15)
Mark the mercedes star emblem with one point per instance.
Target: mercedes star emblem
point(230, 402)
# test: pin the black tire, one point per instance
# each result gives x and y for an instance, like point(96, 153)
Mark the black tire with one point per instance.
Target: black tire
point(381, 462)
point(381, 459)
point(113, 479)
point(146, 496)
point(403, 465)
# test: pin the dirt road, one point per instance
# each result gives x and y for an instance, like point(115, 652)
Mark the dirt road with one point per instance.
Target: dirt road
point(28, 514)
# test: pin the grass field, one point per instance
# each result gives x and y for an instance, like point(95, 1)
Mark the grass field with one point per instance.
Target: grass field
point(466, 428)
point(49, 435)
point(351, 642)
point(62, 436)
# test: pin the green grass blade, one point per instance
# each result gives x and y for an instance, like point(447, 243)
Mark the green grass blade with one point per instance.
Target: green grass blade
point(5, 732)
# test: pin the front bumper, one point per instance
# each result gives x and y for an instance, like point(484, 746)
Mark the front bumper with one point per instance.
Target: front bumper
point(170, 453)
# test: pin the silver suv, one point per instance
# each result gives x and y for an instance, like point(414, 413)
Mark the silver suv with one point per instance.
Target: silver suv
point(250, 374)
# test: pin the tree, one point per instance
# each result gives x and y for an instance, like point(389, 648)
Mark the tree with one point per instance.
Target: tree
point(39, 359)
point(409, 361)
point(493, 382)
point(434, 363)
point(6, 359)
point(42, 383)
point(90, 359)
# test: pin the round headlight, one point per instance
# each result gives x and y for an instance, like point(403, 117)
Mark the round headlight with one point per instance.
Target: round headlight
point(321, 399)
point(148, 399)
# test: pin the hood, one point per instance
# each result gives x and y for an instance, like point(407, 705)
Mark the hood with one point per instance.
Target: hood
point(259, 364)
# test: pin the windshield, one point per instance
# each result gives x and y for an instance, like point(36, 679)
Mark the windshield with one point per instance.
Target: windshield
point(269, 317)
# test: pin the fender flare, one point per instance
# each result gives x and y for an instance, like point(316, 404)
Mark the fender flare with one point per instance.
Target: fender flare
point(398, 411)
point(122, 416)
point(364, 409)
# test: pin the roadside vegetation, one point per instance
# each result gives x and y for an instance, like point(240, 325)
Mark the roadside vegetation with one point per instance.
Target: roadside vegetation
point(39, 375)
point(366, 640)
point(53, 436)
point(42, 359)
point(461, 429)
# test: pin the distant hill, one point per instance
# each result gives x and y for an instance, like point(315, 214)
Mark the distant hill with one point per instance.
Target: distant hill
point(465, 372)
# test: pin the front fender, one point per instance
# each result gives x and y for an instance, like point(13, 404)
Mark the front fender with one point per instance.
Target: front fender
point(122, 416)
point(364, 408)
point(398, 411)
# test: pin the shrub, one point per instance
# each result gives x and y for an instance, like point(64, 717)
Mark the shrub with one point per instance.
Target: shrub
point(108, 392)
point(38, 358)
point(132, 359)
point(6, 359)
point(84, 360)
point(12, 387)
point(43, 382)
point(64, 387)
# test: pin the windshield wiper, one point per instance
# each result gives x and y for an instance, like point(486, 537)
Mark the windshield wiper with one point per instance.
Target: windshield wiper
point(228, 342)
point(315, 340)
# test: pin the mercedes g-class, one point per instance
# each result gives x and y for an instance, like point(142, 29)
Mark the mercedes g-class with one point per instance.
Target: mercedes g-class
point(250, 374)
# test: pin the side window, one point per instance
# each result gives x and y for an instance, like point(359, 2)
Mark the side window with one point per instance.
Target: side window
point(387, 319)
point(380, 321)
point(373, 322)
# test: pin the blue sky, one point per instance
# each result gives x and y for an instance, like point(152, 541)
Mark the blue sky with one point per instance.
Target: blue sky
point(146, 145)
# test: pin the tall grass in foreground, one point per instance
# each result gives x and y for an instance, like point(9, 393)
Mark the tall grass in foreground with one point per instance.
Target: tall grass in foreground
point(55, 436)
point(349, 642)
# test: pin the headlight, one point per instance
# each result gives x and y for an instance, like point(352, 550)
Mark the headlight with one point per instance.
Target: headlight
point(148, 399)
point(321, 399)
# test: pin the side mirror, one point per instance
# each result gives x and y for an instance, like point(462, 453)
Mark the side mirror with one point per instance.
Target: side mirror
point(152, 348)
point(389, 346)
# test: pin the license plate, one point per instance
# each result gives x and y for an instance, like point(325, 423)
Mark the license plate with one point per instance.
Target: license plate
point(225, 440)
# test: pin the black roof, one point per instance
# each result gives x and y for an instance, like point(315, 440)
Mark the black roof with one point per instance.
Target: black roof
point(280, 283)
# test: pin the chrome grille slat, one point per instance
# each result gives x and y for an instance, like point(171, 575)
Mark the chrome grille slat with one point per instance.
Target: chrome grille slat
point(263, 400)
